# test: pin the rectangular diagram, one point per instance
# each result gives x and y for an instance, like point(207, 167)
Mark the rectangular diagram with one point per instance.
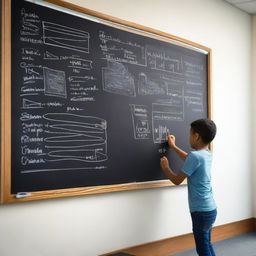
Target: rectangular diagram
point(65, 37)
point(54, 83)
point(162, 114)
point(163, 60)
point(141, 124)
point(117, 79)
point(117, 49)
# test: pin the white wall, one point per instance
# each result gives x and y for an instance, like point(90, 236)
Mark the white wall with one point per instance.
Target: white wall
point(254, 106)
point(90, 225)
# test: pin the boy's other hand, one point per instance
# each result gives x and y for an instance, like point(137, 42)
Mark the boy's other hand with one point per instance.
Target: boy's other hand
point(164, 163)
point(171, 141)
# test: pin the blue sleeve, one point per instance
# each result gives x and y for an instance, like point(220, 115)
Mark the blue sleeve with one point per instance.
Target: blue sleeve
point(191, 164)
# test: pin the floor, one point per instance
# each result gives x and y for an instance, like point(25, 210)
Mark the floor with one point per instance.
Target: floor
point(241, 245)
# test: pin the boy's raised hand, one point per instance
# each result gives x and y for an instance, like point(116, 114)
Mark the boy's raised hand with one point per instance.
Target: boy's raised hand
point(164, 163)
point(171, 141)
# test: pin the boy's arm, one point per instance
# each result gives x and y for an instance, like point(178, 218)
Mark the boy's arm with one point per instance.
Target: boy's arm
point(176, 179)
point(182, 154)
point(171, 142)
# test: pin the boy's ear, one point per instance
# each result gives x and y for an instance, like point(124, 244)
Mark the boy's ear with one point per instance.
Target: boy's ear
point(197, 136)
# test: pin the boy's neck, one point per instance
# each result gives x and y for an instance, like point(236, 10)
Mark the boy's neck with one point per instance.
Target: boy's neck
point(200, 146)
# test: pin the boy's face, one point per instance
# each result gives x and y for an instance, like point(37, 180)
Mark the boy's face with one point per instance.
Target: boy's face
point(193, 138)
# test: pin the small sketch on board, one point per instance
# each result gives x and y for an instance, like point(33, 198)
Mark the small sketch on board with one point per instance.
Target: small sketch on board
point(80, 79)
point(27, 104)
point(148, 86)
point(193, 69)
point(79, 63)
point(140, 118)
point(30, 51)
point(114, 48)
point(194, 100)
point(162, 114)
point(28, 28)
point(117, 79)
point(175, 94)
point(50, 56)
point(168, 111)
point(54, 83)
point(64, 169)
point(163, 59)
point(160, 133)
point(31, 69)
point(75, 137)
point(65, 37)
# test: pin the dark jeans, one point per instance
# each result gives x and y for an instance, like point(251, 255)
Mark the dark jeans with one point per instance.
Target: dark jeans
point(202, 227)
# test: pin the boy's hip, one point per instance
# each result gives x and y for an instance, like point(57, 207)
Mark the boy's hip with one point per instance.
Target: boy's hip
point(203, 220)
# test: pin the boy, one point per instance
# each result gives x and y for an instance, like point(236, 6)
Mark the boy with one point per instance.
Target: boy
point(197, 170)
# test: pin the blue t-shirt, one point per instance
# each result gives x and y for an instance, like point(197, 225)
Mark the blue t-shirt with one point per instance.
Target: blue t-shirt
point(197, 167)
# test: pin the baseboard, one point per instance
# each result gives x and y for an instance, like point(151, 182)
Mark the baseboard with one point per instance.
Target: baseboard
point(185, 242)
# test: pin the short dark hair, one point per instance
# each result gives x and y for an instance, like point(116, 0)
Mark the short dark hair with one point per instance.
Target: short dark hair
point(206, 129)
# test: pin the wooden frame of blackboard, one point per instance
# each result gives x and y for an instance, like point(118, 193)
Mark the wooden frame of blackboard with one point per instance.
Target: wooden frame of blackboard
point(5, 194)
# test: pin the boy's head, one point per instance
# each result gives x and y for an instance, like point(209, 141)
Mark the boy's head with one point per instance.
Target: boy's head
point(204, 130)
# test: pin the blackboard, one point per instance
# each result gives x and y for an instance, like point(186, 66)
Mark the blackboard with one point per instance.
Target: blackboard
point(92, 103)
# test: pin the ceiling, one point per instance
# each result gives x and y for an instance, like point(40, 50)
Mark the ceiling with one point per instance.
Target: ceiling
point(245, 5)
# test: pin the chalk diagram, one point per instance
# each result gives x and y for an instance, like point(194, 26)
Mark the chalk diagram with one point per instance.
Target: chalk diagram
point(31, 69)
point(160, 122)
point(117, 79)
point(140, 120)
point(28, 104)
point(28, 28)
point(79, 63)
point(147, 86)
point(116, 49)
point(54, 83)
point(75, 137)
point(162, 114)
point(65, 37)
point(164, 60)
point(194, 82)
point(80, 79)
point(175, 94)
point(194, 100)
point(50, 56)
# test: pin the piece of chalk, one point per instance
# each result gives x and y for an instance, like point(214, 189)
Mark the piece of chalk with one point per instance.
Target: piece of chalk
point(23, 194)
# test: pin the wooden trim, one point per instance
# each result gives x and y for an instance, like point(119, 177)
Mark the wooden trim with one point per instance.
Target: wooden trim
point(1, 65)
point(6, 196)
point(11, 198)
point(6, 100)
point(232, 229)
point(185, 242)
point(209, 80)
